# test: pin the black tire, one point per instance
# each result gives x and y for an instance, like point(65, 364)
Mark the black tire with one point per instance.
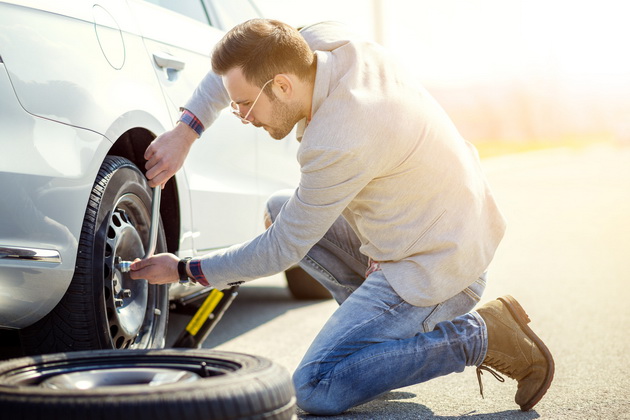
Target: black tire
point(97, 311)
point(304, 287)
point(196, 384)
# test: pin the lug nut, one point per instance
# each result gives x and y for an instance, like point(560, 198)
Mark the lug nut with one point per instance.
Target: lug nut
point(126, 293)
point(124, 266)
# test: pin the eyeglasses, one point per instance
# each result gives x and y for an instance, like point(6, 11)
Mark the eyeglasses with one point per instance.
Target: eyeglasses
point(237, 112)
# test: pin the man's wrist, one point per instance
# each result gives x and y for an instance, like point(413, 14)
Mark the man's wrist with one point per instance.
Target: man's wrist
point(191, 120)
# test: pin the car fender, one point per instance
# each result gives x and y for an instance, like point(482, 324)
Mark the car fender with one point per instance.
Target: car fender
point(44, 166)
point(77, 71)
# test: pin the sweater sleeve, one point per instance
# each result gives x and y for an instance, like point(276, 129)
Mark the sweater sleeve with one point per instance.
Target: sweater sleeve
point(208, 99)
point(330, 179)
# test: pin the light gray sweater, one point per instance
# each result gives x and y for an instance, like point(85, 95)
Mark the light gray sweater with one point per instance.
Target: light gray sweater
point(379, 150)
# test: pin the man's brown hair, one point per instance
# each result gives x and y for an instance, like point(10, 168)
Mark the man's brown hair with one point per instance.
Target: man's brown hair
point(263, 48)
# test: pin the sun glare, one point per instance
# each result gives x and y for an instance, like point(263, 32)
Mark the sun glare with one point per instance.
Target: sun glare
point(503, 69)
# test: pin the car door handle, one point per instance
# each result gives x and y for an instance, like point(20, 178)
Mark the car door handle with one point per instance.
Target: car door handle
point(167, 61)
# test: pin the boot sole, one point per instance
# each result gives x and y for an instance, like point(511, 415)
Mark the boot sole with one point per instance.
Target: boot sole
point(522, 318)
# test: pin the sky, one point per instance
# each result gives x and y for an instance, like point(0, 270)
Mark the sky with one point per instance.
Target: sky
point(569, 58)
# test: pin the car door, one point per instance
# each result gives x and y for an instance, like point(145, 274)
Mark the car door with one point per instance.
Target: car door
point(220, 171)
point(277, 165)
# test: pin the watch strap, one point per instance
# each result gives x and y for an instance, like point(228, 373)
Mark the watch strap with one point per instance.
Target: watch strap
point(181, 270)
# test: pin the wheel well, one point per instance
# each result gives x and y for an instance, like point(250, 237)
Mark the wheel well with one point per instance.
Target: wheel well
point(131, 145)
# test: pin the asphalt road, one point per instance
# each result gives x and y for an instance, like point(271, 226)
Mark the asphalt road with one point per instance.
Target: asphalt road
point(565, 257)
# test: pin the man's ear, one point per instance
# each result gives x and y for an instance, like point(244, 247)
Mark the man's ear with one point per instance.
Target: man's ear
point(283, 86)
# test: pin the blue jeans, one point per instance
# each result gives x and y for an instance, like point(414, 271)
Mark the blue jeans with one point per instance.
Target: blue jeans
point(375, 341)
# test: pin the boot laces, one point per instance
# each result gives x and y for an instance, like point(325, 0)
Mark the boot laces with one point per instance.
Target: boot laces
point(479, 373)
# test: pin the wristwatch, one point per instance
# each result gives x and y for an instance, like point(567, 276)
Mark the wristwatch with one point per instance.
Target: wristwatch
point(183, 274)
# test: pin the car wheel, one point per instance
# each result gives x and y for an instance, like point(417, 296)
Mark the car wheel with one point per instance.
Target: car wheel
point(304, 287)
point(145, 384)
point(104, 308)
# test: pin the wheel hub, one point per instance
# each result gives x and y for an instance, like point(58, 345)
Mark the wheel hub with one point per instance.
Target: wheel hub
point(132, 375)
point(126, 299)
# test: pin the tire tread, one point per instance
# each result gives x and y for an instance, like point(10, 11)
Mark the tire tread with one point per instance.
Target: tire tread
point(259, 389)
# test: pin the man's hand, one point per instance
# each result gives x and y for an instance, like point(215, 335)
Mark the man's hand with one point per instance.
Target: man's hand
point(167, 153)
point(158, 269)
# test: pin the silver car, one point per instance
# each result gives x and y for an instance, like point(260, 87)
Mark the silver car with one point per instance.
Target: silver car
point(85, 88)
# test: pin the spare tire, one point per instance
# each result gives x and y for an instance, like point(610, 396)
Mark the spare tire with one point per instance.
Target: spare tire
point(145, 385)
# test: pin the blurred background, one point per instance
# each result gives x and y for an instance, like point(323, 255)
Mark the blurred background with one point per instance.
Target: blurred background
point(513, 74)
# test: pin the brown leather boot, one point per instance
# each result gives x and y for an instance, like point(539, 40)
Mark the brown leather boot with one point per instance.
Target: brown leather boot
point(516, 351)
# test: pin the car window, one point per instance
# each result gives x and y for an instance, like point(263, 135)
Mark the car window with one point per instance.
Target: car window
point(231, 13)
point(191, 8)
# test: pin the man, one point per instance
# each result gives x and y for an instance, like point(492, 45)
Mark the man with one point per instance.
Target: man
point(392, 214)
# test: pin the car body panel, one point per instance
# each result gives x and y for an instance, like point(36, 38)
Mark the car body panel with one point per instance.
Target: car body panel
point(58, 70)
point(75, 77)
point(42, 168)
point(46, 164)
point(221, 171)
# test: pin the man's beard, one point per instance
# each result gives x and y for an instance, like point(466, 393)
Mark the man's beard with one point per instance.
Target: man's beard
point(284, 118)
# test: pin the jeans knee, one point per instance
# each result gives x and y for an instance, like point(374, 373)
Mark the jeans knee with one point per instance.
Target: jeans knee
point(313, 397)
point(303, 399)
point(303, 384)
point(312, 403)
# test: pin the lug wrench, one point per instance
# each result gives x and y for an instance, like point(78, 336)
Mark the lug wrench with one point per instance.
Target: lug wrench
point(213, 307)
point(125, 266)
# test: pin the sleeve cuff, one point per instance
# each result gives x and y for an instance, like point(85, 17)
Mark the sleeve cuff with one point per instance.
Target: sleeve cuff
point(195, 269)
point(192, 121)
